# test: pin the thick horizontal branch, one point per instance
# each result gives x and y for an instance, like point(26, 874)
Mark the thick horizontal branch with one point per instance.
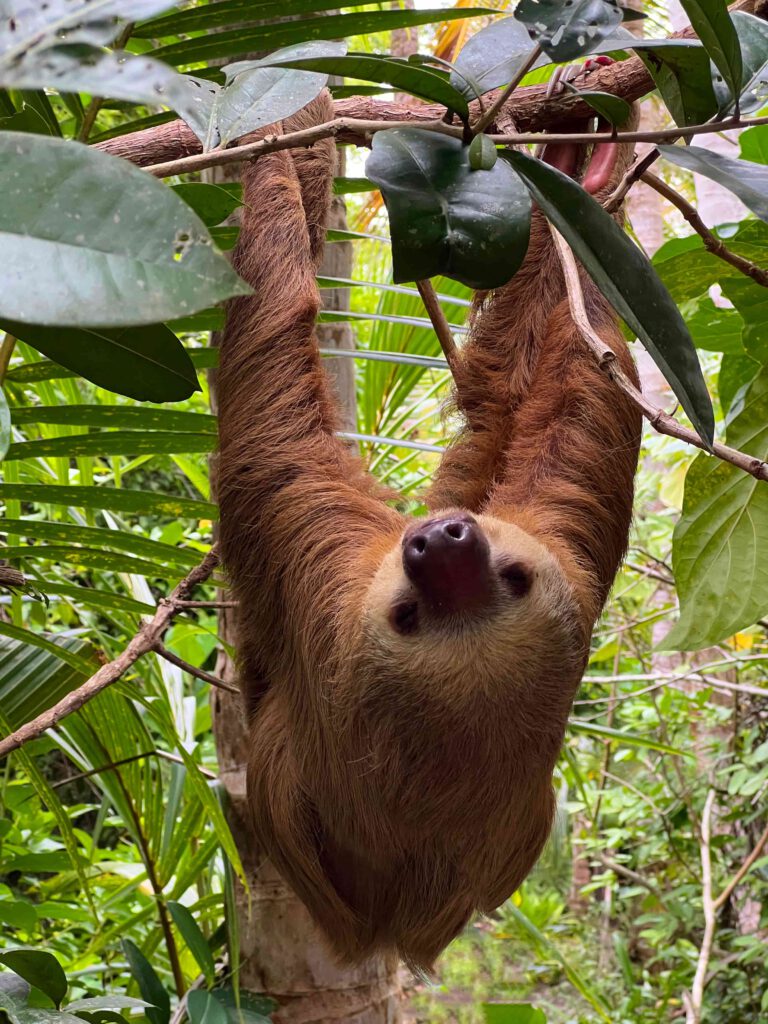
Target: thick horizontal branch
point(606, 358)
point(147, 639)
point(529, 108)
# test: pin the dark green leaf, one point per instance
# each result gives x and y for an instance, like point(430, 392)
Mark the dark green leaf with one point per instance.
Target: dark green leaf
point(18, 913)
point(78, 558)
point(683, 76)
point(239, 42)
point(423, 82)
point(482, 153)
point(27, 25)
point(753, 39)
point(211, 203)
point(113, 442)
point(718, 552)
point(715, 329)
point(346, 186)
point(25, 120)
point(113, 499)
point(512, 1013)
point(137, 256)
point(493, 56)
point(613, 108)
point(33, 679)
point(621, 736)
point(249, 1009)
point(41, 969)
point(150, 986)
point(565, 31)
point(444, 217)
point(626, 278)
point(146, 363)
point(712, 23)
point(204, 1009)
point(232, 12)
point(195, 940)
point(736, 371)
point(746, 180)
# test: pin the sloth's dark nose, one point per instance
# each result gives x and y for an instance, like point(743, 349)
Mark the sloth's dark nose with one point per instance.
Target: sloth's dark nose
point(448, 561)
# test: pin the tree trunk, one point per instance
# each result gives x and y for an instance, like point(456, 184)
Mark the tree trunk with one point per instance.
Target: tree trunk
point(282, 953)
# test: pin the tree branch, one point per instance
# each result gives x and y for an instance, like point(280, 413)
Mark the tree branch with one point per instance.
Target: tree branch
point(193, 670)
point(148, 637)
point(661, 421)
point(711, 242)
point(695, 1000)
point(727, 891)
point(439, 322)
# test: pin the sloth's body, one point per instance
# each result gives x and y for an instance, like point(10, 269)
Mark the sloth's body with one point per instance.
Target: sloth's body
point(408, 681)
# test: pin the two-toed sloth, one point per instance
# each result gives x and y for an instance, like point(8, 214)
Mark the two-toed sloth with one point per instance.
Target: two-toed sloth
point(407, 681)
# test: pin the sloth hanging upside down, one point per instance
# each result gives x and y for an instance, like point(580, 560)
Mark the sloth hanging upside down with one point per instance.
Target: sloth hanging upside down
point(407, 681)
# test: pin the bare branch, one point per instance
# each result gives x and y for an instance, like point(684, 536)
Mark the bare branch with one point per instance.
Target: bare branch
point(711, 242)
point(193, 670)
point(148, 637)
point(661, 421)
point(439, 322)
point(727, 891)
point(695, 1000)
point(632, 876)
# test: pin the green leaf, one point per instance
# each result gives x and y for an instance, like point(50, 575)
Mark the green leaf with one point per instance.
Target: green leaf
point(683, 76)
point(614, 109)
point(716, 329)
point(211, 203)
point(41, 969)
point(493, 56)
point(51, 645)
point(248, 1008)
point(132, 417)
point(565, 31)
point(5, 425)
point(113, 442)
point(113, 499)
point(18, 913)
point(446, 218)
point(746, 180)
point(712, 24)
point(109, 1002)
point(137, 256)
point(150, 986)
point(195, 940)
point(242, 41)
point(146, 363)
point(33, 679)
point(231, 12)
point(719, 545)
point(204, 1009)
point(753, 39)
point(78, 558)
point(512, 1013)
point(482, 153)
point(26, 120)
point(425, 83)
point(753, 144)
point(627, 279)
point(736, 371)
point(628, 739)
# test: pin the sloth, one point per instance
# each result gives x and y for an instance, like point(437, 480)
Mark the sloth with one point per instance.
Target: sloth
point(407, 681)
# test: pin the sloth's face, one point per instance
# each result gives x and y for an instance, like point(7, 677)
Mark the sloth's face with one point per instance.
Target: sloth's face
point(462, 595)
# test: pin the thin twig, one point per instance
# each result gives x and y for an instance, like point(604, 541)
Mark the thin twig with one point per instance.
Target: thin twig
point(633, 876)
point(112, 765)
point(193, 670)
point(490, 114)
point(633, 174)
point(149, 635)
point(661, 421)
point(439, 322)
point(758, 849)
point(362, 131)
point(711, 242)
point(695, 1000)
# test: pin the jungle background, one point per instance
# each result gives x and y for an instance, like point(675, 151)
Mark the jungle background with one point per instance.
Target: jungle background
point(116, 855)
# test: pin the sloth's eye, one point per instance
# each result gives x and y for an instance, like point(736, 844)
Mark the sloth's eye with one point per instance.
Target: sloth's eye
point(404, 617)
point(517, 577)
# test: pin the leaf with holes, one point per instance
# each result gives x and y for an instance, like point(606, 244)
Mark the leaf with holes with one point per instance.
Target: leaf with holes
point(718, 551)
point(88, 240)
point(570, 29)
point(146, 363)
point(446, 218)
point(493, 57)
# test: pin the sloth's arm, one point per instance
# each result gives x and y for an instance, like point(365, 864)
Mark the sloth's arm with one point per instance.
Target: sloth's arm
point(294, 504)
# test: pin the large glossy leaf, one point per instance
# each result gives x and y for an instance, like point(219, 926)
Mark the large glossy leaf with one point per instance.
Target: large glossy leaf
point(239, 42)
point(89, 239)
point(565, 31)
point(38, 967)
point(419, 81)
point(150, 986)
point(627, 279)
point(753, 39)
point(113, 499)
point(146, 363)
point(204, 1009)
point(712, 23)
point(718, 553)
point(611, 108)
point(493, 56)
point(746, 180)
point(683, 76)
point(194, 938)
point(82, 68)
point(446, 218)
point(33, 679)
point(113, 442)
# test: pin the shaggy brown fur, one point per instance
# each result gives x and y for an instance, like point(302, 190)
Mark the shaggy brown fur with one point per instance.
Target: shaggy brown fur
point(400, 778)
